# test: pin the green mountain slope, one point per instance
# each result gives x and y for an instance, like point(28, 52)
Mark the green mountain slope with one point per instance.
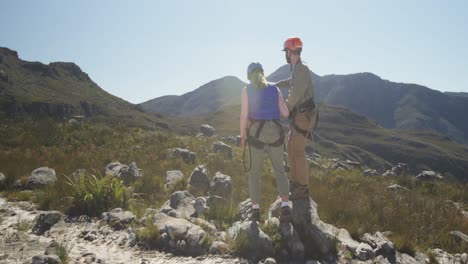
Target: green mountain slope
point(59, 91)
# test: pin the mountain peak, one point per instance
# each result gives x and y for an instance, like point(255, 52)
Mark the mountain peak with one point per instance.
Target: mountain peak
point(8, 52)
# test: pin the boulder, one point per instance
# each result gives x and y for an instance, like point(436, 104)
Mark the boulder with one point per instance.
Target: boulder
point(443, 257)
point(397, 170)
point(382, 245)
point(221, 185)
point(127, 174)
point(183, 237)
point(41, 177)
point(186, 155)
point(294, 244)
point(429, 176)
point(44, 221)
point(223, 148)
point(180, 204)
point(232, 140)
point(245, 209)
point(252, 242)
point(207, 130)
point(269, 261)
point(173, 177)
point(199, 180)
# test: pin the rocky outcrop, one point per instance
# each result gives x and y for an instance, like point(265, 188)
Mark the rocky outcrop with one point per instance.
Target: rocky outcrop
point(397, 170)
point(127, 174)
point(252, 242)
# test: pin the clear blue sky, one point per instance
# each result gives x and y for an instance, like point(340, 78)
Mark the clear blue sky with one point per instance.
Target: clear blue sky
point(139, 50)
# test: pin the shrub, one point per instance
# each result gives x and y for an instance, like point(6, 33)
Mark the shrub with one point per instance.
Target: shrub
point(93, 195)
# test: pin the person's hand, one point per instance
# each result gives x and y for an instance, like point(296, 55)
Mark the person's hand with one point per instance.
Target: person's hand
point(243, 142)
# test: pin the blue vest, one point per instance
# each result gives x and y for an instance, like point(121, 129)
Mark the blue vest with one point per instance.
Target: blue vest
point(263, 103)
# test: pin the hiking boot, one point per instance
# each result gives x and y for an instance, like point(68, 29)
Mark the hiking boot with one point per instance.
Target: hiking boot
point(298, 191)
point(255, 216)
point(286, 215)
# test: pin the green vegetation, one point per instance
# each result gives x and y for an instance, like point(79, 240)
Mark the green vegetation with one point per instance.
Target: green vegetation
point(149, 235)
point(418, 220)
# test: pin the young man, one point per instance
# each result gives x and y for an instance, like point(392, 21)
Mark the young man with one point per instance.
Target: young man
point(303, 116)
point(262, 107)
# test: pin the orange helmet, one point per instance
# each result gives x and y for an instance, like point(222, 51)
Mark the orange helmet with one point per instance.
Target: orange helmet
point(292, 43)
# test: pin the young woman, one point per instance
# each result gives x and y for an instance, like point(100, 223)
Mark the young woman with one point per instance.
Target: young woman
point(262, 107)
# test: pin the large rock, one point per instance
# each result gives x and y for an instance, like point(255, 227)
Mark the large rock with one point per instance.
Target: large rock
point(429, 176)
point(45, 220)
point(381, 245)
point(173, 177)
point(41, 177)
point(127, 174)
point(221, 185)
point(180, 204)
point(223, 148)
point(207, 130)
point(252, 242)
point(245, 209)
point(199, 180)
point(183, 237)
point(294, 244)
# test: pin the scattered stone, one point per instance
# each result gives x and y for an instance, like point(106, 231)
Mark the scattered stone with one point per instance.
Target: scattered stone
point(269, 261)
point(46, 259)
point(370, 172)
point(180, 204)
point(353, 164)
point(232, 140)
point(218, 248)
point(221, 185)
point(187, 156)
point(443, 257)
point(381, 244)
point(222, 147)
point(429, 176)
point(253, 242)
point(199, 180)
point(340, 165)
point(45, 220)
point(118, 216)
point(199, 204)
point(41, 177)
point(127, 174)
point(173, 177)
point(207, 130)
point(245, 209)
point(458, 236)
point(397, 170)
point(74, 123)
point(397, 188)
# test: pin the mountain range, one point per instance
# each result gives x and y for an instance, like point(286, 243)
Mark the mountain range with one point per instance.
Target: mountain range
point(382, 123)
point(390, 104)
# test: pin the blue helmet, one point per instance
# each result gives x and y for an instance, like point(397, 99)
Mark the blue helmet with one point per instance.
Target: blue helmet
point(253, 66)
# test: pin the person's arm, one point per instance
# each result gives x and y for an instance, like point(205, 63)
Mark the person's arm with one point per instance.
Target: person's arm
point(244, 116)
point(286, 83)
point(301, 81)
point(284, 111)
